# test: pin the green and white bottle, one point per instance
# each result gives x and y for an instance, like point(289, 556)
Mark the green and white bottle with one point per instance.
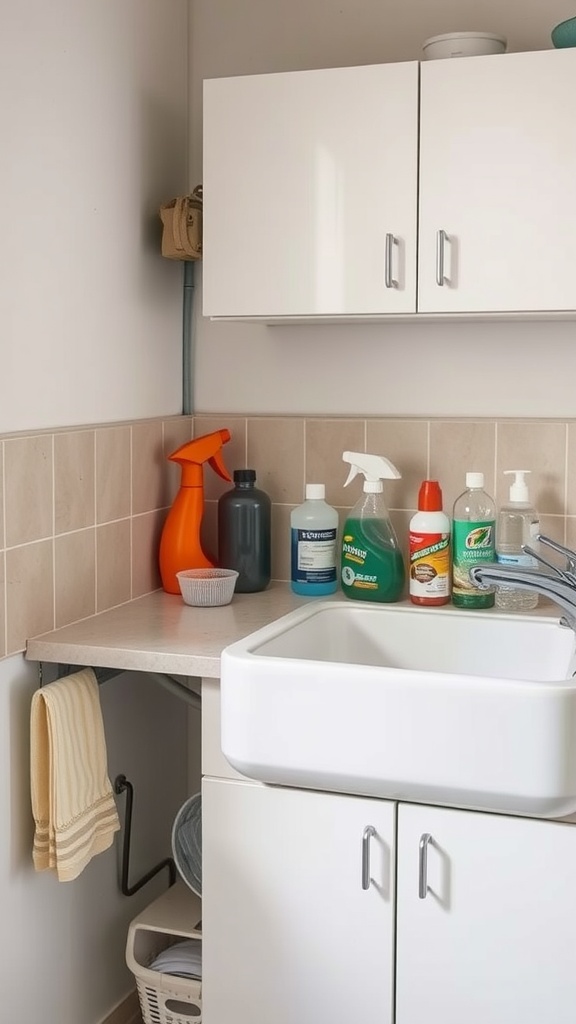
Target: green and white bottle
point(473, 542)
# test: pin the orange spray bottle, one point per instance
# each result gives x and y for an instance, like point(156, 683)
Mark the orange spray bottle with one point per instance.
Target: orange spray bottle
point(180, 545)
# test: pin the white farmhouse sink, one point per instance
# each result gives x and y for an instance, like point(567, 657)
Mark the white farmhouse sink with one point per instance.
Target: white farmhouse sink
point(437, 705)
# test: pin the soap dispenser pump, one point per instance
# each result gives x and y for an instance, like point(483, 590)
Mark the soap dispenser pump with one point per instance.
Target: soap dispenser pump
point(518, 523)
point(372, 567)
point(180, 544)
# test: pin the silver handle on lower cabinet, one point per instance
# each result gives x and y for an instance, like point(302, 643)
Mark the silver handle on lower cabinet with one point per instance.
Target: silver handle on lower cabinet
point(441, 239)
point(367, 834)
point(389, 279)
point(425, 839)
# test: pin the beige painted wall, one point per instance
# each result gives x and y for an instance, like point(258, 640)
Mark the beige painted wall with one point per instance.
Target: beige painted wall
point(93, 124)
point(520, 369)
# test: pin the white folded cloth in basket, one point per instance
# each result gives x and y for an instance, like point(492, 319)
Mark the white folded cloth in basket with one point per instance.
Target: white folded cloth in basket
point(73, 804)
point(183, 959)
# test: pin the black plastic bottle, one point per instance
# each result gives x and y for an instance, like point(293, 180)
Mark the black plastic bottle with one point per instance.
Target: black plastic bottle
point(244, 532)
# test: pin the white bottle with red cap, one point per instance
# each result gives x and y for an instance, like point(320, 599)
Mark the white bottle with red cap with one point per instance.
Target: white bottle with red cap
point(429, 546)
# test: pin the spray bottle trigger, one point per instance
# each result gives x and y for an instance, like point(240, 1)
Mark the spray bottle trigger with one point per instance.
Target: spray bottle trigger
point(217, 463)
point(353, 472)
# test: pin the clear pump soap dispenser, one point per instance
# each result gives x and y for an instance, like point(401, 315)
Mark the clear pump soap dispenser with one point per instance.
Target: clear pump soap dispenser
point(518, 523)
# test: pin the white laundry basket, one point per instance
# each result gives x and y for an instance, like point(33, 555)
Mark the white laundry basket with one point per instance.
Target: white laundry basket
point(164, 998)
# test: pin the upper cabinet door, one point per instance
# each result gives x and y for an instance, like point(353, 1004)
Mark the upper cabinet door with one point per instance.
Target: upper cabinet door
point(497, 174)
point(310, 182)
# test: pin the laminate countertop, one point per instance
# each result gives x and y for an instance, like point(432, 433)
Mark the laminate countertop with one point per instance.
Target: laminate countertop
point(159, 633)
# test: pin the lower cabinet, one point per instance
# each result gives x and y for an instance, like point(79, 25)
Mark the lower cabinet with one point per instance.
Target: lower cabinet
point(289, 934)
point(329, 909)
point(494, 939)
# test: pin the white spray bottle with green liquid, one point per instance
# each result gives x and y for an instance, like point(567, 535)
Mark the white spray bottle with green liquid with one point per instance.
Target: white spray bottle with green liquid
point(372, 567)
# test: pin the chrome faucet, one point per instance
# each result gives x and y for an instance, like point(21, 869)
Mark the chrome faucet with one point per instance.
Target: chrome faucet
point(558, 584)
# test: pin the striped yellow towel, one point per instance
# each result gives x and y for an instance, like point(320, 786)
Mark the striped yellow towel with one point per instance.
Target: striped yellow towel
point(72, 801)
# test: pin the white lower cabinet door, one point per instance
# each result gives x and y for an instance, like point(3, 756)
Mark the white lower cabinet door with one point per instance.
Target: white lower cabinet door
point(298, 906)
point(486, 919)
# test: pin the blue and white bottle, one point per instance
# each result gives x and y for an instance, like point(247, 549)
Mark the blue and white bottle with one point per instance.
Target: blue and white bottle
point(314, 530)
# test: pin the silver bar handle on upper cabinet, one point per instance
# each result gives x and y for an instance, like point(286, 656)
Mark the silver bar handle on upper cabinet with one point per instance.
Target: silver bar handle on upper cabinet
point(425, 839)
point(441, 239)
point(389, 279)
point(367, 834)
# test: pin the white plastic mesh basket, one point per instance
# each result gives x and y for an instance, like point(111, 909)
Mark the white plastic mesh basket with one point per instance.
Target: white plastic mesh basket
point(207, 587)
point(165, 998)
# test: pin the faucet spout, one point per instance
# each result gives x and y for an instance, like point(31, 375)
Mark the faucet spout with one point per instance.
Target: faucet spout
point(557, 587)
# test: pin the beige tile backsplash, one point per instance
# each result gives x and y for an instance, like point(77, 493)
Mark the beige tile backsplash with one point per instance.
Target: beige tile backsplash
point(81, 510)
point(176, 433)
point(146, 533)
point(74, 576)
point(74, 485)
point(29, 592)
point(405, 443)
point(326, 439)
point(275, 449)
point(29, 492)
point(1, 496)
point(113, 473)
point(571, 470)
point(459, 446)
point(541, 448)
point(113, 564)
point(2, 607)
point(149, 467)
point(234, 451)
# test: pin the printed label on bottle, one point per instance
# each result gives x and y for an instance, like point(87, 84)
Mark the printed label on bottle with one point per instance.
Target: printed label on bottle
point(372, 567)
point(429, 564)
point(522, 560)
point(314, 556)
point(473, 543)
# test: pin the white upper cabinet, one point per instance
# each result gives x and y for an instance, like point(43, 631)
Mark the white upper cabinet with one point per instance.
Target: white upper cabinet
point(316, 203)
point(497, 179)
point(310, 184)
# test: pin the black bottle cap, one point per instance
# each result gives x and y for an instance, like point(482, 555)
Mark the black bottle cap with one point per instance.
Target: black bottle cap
point(244, 476)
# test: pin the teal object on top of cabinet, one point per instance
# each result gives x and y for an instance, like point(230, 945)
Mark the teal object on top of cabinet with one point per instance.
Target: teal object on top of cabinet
point(564, 34)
